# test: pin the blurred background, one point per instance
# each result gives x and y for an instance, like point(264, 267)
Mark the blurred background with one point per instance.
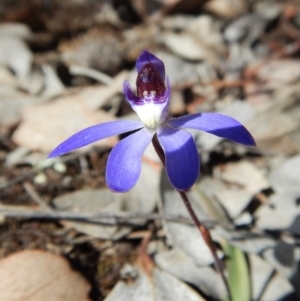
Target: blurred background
point(63, 233)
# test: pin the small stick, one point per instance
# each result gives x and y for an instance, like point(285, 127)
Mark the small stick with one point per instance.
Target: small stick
point(203, 230)
point(9, 211)
point(92, 73)
point(35, 197)
point(37, 168)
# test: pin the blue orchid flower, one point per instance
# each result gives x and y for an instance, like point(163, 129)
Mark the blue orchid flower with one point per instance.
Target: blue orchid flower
point(151, 103)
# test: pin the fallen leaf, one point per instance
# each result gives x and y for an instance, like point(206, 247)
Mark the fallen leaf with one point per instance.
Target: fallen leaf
point(12, 103)
point(47, 125)
point(283, 258)
point(14, 53)
point(279, 289)
point(286, 177)
point(250, 25)
point(282, 108)
point(177, 263)
point(91, 47)
point(36, 275)
point(154, 286)
point(227, 8)
point(136, 201)
point(176, 22)
point(210, 33)
point(189, 47)
point(261, 273)
point(244, 180)
point(52, 84)
point(93, 201)
point(280, 72)
point(190, 240)
point(234, 201)
point(245, 219)
point(244, 174)
point(279, 212)
point(6, 77)
point(186, 237)
point(253, 243)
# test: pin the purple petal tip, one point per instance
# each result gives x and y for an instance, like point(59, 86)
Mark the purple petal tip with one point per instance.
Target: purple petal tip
point(144, 58)
point(147, 57)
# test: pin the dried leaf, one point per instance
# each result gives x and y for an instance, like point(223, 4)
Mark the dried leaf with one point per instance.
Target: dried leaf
point(37, 275)
point(45, 126)
point(12, 103)
point(53, 85)
point(279, 212)
point(254, 243)
point(250, 25)
point(279, 289)
point(210, 33)
point(6, 78)
point(227, 8)
point(97, 48)
point(243, 174)
point(93, 201)
point(286, 177)
point(188, 47)
point(244, 180)
point(177, 263)
point(186, 237)
point(265, 285)
point(106, 201)
point(154, 286)
point(14, 53)
point(280, 72)
point(283, 257)
point(261, 273)
point(136, 200)
point(282, 108)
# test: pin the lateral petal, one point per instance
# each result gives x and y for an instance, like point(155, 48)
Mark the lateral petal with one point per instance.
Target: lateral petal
point(182, 159)
point(123, 167)
point(220, 125)
point(95, 133)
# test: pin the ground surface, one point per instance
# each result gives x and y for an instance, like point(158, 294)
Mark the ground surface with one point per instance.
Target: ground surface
point(61, 70)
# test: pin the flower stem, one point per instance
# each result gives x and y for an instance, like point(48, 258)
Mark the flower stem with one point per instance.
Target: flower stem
point(203, 230)
point(208, 239)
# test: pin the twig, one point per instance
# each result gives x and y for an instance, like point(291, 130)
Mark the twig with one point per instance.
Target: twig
point(203, 230)
point(35, 197)
point(94, 74)
point(18, 179)
point(90, 217)
point(37, 168)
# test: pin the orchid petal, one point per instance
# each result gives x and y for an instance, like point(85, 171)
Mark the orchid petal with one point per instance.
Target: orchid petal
point(130, 96)
point(148, 58)
point(95, 133)
point(152, 110)
point(182, 160)
point(125, 160)
point(220, 125)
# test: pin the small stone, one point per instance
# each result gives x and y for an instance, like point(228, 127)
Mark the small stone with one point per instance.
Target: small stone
point(40, 179)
